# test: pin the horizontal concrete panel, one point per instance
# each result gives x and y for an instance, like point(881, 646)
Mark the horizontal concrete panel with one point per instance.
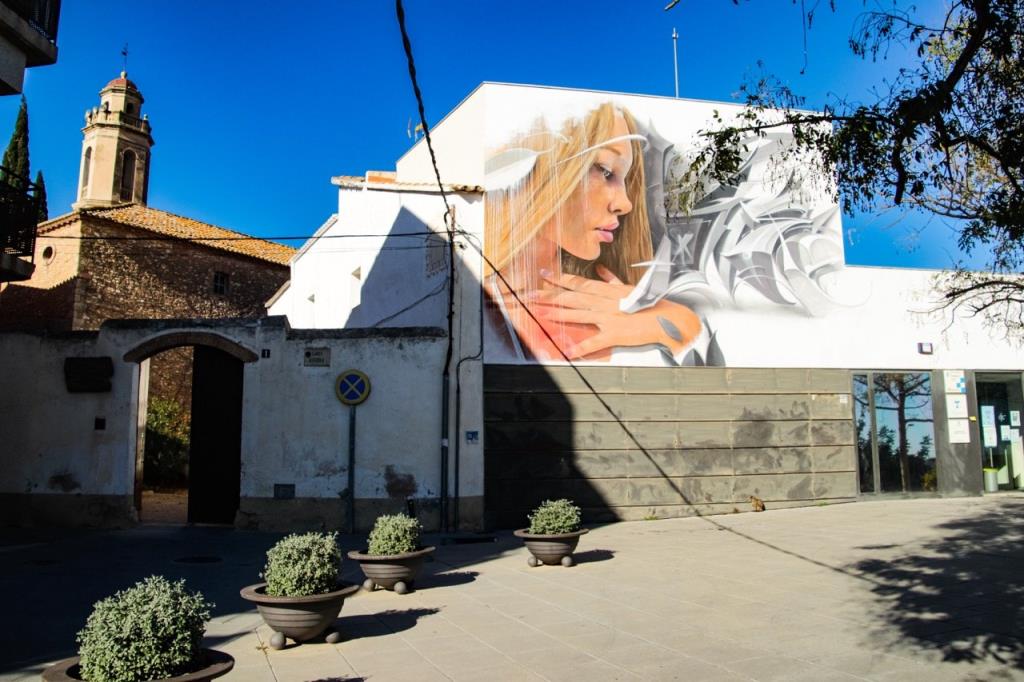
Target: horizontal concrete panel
point(794, 460)
point(532, 465)
point(622, 492)
point(662, 407)
point(832, 433)
point(521, 436)
point(698, 380)
point(774, 487)
point(551, 378)
point(610, 463)
point(831, 406)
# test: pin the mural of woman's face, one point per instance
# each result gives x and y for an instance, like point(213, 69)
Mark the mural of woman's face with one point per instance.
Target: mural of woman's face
point(591, 215)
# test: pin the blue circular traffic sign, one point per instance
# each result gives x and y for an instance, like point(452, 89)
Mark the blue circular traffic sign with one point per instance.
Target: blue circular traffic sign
point(352, 387)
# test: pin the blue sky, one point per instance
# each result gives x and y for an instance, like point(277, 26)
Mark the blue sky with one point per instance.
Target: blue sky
point(255, 105)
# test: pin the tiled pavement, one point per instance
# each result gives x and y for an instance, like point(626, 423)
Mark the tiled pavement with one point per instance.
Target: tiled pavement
point(928, 589)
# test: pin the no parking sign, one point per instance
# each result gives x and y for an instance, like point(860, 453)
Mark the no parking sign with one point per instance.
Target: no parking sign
point(352, 387)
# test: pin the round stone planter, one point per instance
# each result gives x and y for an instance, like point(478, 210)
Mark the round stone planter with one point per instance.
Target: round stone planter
point(393, 571)
point(301, 618)
point(550, 549)
point(214, 664)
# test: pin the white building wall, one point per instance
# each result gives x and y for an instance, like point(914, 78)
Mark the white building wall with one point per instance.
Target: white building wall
point(294, 429)
point(456, 140)
point(49, 436)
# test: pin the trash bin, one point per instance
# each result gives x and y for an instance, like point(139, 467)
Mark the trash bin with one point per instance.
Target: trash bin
point(991, 479)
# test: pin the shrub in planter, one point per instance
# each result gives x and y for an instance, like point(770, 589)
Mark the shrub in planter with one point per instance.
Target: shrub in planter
point(554, 517)
point(150, 631)
point(393, 557)
point(553, 533)
point(300, 565)
point(301, 596)
point(394, 534)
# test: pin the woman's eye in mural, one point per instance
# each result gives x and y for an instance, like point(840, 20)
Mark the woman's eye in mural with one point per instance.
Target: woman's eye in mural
point(604, 171)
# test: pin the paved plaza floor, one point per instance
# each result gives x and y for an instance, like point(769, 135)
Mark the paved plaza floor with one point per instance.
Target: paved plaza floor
point(920, 589)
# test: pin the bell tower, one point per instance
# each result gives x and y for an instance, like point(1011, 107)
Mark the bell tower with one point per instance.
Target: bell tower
point(116, 148)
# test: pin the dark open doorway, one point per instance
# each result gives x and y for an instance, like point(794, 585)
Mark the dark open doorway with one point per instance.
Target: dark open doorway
point(188, 453)
point(215, 449)
point(1000, 404)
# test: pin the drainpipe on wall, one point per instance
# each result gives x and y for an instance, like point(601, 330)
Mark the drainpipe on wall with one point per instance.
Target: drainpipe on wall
point(449, 223)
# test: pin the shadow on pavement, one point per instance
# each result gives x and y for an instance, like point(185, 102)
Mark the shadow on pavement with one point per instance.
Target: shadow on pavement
point(52, 578)
point(962, 594)
point(593, 555)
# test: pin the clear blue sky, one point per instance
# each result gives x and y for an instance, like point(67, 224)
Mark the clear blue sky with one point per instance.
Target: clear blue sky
point(255, 105)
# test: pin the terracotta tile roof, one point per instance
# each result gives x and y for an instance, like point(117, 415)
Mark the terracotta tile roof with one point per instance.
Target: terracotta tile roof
point(387, 180)
point(171, 225)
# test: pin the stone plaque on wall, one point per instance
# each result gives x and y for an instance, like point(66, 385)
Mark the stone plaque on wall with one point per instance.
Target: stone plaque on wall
point(316, 357)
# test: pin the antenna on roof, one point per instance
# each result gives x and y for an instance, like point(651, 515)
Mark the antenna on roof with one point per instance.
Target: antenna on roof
point(675, 57)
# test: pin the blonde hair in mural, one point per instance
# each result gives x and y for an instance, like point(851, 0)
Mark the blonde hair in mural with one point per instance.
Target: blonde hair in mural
point(517, 214)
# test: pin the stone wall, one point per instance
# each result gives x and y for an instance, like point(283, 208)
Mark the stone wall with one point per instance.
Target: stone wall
point(665, 442)
point(85, 282)
point(167, 279)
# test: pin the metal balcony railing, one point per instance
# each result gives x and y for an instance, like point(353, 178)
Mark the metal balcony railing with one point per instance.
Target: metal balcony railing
point(19, 214)
point(42, 15)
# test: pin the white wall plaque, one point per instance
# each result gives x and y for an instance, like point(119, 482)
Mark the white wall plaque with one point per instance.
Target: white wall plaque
point(956, 406)
point(955, 381)
point(959, 430)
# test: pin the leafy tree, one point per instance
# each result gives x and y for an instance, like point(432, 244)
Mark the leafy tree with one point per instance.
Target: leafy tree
point(16, 156)
point(44, 211)
point(168, 431)
point(945, 137)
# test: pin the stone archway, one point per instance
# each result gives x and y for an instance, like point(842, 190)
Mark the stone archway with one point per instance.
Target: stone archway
point(151, 347)
point(214, 409)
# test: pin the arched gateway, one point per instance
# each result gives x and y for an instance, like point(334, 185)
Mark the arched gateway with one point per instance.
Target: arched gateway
point(215, 442)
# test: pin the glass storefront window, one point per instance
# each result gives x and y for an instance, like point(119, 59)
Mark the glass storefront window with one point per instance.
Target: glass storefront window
point(895, 434)
point(862, 419)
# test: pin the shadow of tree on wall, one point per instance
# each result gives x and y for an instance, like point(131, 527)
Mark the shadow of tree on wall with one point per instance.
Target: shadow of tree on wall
point(961, 595)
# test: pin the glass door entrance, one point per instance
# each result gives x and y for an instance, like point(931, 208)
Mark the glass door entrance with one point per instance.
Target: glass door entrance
point(999, 412)
point(895, 435)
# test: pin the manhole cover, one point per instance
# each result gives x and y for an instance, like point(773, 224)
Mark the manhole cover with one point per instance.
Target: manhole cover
point(198, 559)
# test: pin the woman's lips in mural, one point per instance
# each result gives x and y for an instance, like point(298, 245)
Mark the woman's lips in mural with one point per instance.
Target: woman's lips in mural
point(606, 233)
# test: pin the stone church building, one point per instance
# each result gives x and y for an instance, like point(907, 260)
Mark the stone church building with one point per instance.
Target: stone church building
point(115, 257)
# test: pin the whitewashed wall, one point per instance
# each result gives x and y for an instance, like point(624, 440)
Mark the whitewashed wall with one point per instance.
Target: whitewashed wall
point(295, 431)
point(48, 437)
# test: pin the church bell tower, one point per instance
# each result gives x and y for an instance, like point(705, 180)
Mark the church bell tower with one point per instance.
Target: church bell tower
point(116, 148)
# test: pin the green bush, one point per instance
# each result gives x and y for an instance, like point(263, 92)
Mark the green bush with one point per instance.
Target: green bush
point(168, 429)
point(150, 631)
point(300, 565)
point(394, 534)
point(553, 517)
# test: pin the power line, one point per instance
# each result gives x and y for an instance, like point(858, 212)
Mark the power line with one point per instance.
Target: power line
point(242, 238)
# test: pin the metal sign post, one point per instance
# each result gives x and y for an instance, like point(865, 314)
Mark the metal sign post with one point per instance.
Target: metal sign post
point(352, 388)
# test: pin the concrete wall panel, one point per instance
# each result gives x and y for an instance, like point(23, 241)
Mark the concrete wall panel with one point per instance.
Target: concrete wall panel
point(666, 441)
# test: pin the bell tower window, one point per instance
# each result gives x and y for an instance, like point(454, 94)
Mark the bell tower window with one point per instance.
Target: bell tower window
point(128, 176)
point(86, 163)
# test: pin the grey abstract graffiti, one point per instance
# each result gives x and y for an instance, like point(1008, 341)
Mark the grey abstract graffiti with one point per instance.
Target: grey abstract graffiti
point(775, 243)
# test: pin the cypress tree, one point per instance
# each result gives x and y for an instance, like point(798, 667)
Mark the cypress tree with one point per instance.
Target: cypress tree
point(16, 157)
point(44, 212)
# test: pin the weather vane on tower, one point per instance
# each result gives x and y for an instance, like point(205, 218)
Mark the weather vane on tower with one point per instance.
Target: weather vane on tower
point(124, 53)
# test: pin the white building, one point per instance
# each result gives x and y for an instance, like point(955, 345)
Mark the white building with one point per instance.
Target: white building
point(761, 265)
point(720, 347)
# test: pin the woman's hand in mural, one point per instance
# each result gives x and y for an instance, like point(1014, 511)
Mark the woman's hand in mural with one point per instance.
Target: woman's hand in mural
point(578, 300)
